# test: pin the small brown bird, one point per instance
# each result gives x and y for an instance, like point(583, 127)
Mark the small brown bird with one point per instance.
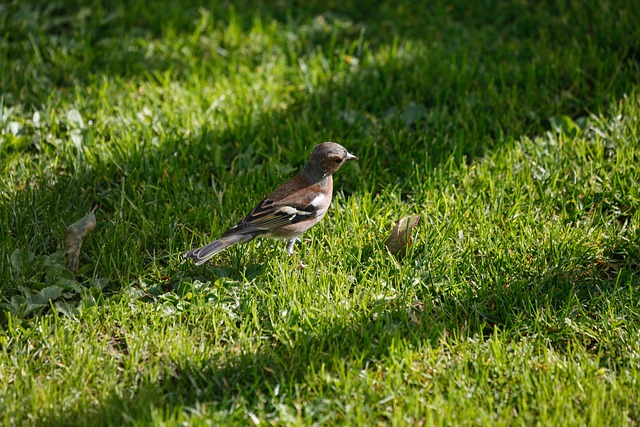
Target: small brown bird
point(293, 208)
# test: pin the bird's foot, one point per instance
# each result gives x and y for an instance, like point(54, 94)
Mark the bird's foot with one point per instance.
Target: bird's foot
point(290, 244)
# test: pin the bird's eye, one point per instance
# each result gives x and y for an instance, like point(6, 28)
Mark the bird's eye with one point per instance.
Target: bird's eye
point(338, 161)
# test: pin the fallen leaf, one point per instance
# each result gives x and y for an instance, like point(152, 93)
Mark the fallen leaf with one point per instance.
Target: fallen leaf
point(400, 236)
point(76, 232)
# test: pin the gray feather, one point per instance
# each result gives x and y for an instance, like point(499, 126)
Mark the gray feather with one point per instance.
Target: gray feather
point(203, 254)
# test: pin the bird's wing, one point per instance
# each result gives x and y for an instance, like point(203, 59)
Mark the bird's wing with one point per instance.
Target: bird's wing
point(294, 201)
point(269, 215)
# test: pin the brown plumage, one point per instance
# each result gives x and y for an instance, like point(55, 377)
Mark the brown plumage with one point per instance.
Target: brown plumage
point(291, 209)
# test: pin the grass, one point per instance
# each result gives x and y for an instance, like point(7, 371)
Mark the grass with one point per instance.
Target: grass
point(512, 128)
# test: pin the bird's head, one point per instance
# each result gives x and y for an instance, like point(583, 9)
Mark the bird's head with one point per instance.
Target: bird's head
point(326, 158)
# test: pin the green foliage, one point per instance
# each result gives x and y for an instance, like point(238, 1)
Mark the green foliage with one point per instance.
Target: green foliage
point(510, 127)
point(43, 282)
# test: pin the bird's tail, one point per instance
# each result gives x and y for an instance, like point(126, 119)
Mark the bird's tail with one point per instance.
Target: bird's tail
point(203, 254)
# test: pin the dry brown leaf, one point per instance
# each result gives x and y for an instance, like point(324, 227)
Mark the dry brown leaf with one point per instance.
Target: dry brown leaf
point(76, 232)
point(401, 235)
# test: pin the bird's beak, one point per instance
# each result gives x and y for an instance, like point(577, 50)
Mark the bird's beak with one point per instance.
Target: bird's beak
point(350, 157)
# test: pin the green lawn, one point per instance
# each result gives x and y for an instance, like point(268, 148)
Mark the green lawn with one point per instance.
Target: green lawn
point(511, 127)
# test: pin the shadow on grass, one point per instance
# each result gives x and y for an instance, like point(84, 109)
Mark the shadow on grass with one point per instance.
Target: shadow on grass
point(568, 306)
point(236, 376)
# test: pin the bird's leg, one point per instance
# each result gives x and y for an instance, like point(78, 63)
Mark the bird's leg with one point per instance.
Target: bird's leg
point(290, 244)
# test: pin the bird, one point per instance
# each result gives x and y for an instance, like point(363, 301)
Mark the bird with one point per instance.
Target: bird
point(290, 210)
